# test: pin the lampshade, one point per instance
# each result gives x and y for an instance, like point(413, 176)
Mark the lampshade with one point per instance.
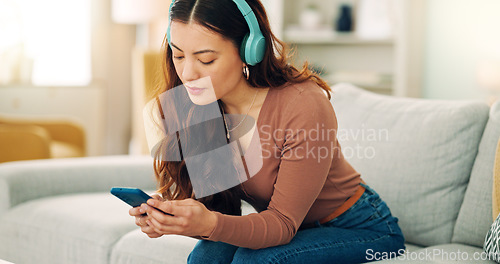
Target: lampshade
point(488, 73)
point(138, 11)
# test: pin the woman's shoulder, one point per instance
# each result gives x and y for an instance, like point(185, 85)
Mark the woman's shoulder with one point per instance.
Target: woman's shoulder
point(301, 94)
point(308, 87)
point(302, 105)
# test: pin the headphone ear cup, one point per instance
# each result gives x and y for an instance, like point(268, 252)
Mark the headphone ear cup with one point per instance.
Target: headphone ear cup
point(252, 49)
point(255, 48)
point(243, 49)
point(258, 49)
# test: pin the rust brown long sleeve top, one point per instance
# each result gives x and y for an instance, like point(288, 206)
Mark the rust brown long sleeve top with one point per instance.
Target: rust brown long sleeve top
point(304, 176)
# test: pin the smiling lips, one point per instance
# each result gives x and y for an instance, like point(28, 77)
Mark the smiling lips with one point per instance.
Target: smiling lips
point(194, 90)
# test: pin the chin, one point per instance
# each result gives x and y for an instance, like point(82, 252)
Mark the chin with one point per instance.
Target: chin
point(202, 99)
point(202, 102)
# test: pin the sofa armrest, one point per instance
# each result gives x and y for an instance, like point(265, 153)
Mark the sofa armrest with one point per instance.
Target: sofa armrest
point(23, 181)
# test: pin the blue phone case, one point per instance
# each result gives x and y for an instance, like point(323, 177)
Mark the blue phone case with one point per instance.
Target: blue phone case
point(133, 196)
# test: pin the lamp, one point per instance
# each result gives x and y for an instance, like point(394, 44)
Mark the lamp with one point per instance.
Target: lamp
point(138, 11)
point(488, 75)
point(141, 13)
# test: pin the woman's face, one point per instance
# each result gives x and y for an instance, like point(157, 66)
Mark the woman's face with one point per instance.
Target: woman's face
point(204, 59)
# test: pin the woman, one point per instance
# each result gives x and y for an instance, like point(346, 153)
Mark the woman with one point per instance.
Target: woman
point(312, 205)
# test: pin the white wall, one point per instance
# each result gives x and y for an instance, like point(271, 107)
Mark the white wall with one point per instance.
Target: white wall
point(459, 35)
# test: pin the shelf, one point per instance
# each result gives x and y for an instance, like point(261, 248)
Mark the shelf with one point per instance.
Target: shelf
point(399, 55)
point(294, 35)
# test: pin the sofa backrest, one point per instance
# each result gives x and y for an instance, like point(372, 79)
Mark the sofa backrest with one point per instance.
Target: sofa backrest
point(22, 181)
point(474, 219)
point(417, 154)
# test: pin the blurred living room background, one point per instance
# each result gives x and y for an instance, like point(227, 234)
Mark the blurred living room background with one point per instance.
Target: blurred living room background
point(73, 74)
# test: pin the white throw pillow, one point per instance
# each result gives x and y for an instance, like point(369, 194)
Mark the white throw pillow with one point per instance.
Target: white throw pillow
point(492, 241)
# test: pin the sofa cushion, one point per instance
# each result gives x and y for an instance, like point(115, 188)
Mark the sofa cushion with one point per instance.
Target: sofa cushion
point(417, 154)
point(137, 247)
point(64, 229)
point(475, 218)
point(412, 247)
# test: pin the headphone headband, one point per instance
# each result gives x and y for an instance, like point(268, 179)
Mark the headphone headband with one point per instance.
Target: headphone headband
point(249, 16)
point(253, 46)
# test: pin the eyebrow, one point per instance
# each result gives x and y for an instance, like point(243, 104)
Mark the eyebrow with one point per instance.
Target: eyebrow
point(197, 52)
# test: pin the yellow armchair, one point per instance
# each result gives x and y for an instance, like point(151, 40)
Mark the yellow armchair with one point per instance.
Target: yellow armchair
point(26, 139)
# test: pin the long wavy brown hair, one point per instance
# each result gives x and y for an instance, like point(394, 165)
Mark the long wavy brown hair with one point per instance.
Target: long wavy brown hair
point(222, 17)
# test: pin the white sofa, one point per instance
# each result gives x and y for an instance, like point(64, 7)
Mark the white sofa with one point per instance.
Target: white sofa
point(430, 160)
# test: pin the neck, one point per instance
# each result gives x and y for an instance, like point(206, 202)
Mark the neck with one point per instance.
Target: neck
point(239, 99)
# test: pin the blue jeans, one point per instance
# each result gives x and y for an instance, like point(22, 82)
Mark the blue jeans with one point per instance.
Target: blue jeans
point(360, 234)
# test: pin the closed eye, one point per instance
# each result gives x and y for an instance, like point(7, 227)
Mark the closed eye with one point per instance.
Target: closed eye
point(207, 63)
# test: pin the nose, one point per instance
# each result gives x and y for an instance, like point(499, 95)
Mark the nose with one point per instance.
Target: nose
point(189, 71)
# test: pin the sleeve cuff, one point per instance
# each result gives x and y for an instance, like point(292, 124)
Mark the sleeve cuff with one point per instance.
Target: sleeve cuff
point(217, 229)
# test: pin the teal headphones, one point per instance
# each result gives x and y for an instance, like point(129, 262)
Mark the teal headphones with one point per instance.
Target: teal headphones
point(254, 44)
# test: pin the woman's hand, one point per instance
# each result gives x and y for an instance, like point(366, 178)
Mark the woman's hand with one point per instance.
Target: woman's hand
point(190, 217)
point(141, 218)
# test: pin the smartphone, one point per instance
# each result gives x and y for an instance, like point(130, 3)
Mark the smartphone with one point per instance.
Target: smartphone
point(132, 196)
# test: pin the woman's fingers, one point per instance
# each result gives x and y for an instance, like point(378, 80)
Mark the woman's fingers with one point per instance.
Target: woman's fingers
point(154, 235)
point(141, 219)
point(163, 218)
point(176, 208)
point(189, 217)
point(136, 211)
point(150, 231)
point(164, 223)
point(162, 228)
point(161, 205)
point(142, 222)
point(147, 229)
point(157, 197)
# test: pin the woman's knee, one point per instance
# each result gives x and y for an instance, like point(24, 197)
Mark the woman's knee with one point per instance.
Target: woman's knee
point(207, 252)
point(271, 255)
